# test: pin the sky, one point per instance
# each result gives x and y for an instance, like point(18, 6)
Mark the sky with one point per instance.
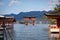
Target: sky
point(17, 6)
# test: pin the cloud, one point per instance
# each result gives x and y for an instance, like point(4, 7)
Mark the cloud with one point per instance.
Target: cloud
point(1, 3)
point(53, 2)
point(31, 9)
point(14, 2)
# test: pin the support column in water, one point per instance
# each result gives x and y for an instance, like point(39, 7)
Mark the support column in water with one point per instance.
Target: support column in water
point(33, 20)
point(26, 19)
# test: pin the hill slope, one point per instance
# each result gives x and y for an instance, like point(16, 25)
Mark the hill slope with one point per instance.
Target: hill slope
point(20, 16)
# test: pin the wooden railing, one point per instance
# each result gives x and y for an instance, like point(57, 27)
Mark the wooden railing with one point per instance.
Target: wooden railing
point(8, 35)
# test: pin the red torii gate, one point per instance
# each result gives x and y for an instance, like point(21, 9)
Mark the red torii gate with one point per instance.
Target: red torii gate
point(27, 18)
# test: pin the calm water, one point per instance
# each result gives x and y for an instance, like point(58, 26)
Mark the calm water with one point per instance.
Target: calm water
point(30, 32)
point(36, 32)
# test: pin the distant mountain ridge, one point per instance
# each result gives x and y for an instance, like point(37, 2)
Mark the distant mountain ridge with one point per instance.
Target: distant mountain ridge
point(20, 16)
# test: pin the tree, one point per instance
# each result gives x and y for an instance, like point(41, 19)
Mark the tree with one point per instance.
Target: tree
point(57, 8)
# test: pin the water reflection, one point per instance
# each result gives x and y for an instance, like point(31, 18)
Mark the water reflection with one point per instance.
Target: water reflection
point(54, 36)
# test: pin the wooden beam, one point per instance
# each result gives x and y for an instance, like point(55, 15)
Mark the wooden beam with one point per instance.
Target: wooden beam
point(53, 16)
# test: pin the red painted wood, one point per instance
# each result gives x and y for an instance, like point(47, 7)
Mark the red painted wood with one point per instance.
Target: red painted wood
point(58, 22)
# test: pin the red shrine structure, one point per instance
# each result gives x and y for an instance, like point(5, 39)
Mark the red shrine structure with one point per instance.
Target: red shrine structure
point(6, 21)
point(6, 25)
point(54, 15)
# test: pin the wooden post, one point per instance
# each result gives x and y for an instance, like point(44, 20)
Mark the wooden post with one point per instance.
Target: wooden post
point(58, 22)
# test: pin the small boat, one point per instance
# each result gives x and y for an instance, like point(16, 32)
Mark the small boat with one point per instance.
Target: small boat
point(54, 29)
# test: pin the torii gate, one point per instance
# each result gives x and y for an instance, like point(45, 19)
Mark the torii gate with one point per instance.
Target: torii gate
point(27, 18)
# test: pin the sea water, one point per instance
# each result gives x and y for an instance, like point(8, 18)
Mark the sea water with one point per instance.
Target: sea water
point(30, 32)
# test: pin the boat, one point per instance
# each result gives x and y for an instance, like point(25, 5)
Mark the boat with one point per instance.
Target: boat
point(54, 29)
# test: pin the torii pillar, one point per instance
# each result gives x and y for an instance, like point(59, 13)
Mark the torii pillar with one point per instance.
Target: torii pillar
point(26, 20)
point(33, 20)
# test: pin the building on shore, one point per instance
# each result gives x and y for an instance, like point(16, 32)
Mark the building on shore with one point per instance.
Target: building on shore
point(6, 25)
point(54, 28)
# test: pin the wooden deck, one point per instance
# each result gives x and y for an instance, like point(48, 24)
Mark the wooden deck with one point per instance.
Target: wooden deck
point(6, 34)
